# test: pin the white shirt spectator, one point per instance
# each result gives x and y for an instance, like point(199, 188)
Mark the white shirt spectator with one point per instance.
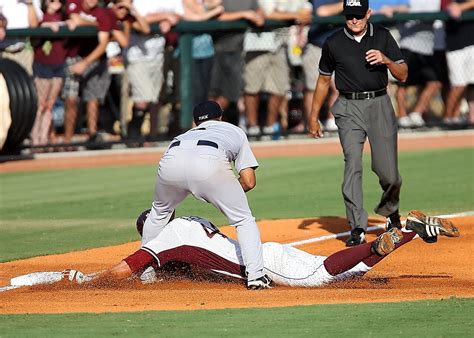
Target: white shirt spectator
point(272, 41)
point(417, 36)
point(148, 48)
point(16, 13)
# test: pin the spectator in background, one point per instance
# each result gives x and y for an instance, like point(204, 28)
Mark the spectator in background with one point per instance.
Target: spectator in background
point(48, 71)
point(125, 16)
point(317, 35)
point(203, 48)
point(3, 26)
point(389, 7)
point(460, 58)
point(144, 60)
point(266, 62)
point(226, 75)
point(86, 65)
point(417, 46)
point(19, 14)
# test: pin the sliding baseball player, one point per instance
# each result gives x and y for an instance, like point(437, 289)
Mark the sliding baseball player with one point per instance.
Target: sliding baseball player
point(196, 241)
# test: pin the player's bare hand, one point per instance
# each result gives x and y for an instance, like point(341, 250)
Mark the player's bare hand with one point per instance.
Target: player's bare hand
point(314, 129)
point(375, 57)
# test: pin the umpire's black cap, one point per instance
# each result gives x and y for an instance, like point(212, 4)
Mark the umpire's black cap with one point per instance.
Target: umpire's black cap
point(355, 7)
point(206, 110)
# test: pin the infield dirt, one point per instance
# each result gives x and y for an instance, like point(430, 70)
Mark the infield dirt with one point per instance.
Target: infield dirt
point(415, 271)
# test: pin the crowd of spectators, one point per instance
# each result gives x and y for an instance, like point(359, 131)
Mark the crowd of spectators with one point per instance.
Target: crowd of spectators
point(252, 74)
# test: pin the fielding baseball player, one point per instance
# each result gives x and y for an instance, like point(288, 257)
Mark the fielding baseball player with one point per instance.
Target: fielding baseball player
point(360, 55)
point(198, 162)
point(196, 241)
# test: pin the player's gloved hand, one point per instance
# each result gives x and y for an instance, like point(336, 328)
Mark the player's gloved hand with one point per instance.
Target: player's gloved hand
point(74, 276)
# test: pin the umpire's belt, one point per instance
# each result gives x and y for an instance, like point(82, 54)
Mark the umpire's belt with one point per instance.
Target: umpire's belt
point(363, 95)
point(199, 143)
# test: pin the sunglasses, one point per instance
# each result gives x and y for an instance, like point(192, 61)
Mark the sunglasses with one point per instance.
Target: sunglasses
point(354, 16)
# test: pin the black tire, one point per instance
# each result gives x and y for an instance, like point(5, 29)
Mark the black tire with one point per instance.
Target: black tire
point(30, 103)
point(23, 103)
point(10, 142)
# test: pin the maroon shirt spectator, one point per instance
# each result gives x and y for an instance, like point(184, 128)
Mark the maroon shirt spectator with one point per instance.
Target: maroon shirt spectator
point(97, 16)
point(57, 51)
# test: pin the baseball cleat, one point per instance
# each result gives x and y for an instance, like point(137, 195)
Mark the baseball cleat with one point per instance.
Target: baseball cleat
point(263, 282)
point(429, 227)
point(385, 243)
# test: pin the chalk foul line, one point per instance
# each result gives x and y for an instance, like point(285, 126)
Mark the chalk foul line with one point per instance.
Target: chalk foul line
point(371, 228)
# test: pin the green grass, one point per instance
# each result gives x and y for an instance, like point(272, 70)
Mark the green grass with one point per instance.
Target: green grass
point(446, 318)
point(59, 211)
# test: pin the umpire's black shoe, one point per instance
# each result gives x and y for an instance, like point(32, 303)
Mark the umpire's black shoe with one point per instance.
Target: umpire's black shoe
point(357, 237)
point(263, 282)
point(393, 221)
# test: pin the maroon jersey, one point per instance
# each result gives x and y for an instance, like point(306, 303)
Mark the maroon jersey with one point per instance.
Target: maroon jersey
point(51, 51)
point(98, 15)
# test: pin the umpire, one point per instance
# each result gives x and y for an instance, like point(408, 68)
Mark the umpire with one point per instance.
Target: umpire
point(360, 55)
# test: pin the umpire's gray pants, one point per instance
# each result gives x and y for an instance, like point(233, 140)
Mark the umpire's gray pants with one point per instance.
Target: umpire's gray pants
point(205, 173)
point(373, 119)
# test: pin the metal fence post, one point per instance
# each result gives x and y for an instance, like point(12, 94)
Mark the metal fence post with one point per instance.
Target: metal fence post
point(186, 88)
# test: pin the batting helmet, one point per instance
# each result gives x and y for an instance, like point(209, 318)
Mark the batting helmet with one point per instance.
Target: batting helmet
point(142, 218)
point(141, 221)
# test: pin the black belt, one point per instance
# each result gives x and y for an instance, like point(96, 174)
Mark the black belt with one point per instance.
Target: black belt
point(199, 143)
point(363, 95)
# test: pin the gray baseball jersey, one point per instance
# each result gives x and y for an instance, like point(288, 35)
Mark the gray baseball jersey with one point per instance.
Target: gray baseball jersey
point(199, 162)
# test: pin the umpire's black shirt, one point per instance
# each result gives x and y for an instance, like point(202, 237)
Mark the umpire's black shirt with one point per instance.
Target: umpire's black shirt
point(344, 55)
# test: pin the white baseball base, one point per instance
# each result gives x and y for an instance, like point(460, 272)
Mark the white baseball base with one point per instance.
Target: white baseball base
point(8, 287)
point(36, 278)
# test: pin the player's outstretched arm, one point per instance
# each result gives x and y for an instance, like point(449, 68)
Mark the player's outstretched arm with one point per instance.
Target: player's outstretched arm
point(120, 271)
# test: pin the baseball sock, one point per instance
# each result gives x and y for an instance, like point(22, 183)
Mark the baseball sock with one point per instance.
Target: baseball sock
point(154, 111)
point(374, 259)
point(139, 261)
point(135, 124)
point(345, 260)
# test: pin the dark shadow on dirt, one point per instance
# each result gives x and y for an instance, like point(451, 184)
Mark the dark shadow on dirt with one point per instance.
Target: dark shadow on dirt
point(335, 225)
